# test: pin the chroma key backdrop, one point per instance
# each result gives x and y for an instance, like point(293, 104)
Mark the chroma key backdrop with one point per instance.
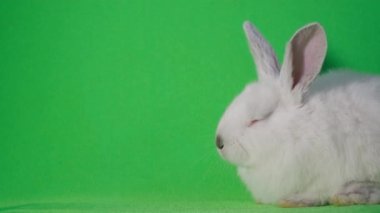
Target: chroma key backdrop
point(112, 106)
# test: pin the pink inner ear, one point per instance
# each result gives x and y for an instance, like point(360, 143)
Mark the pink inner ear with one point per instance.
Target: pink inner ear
point(309, 47)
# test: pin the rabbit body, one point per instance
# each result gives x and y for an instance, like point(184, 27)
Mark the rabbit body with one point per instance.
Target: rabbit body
point(333, 139)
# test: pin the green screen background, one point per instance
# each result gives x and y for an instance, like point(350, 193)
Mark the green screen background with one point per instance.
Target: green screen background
point(113, 101)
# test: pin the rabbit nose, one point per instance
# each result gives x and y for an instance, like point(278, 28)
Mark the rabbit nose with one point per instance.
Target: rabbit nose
point(219, 142)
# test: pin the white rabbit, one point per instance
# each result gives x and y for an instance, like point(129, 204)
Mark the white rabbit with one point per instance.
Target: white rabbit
point(301, 144)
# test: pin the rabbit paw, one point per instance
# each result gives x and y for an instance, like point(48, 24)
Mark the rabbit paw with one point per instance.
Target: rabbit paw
point(357, 193)
point(300, 201)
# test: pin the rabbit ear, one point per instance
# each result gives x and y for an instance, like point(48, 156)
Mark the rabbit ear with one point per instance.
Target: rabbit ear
point(262, 53)
point(304, 57)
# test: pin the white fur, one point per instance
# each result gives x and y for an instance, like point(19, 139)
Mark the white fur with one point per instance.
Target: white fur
point(308, 142)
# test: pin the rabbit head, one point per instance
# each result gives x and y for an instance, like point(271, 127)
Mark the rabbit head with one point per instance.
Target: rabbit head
point(256, 118)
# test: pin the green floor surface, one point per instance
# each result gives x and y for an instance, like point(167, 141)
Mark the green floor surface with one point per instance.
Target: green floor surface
point(167, 206)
